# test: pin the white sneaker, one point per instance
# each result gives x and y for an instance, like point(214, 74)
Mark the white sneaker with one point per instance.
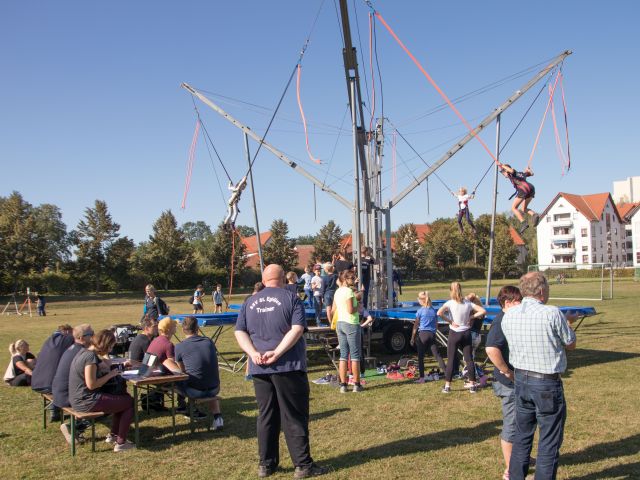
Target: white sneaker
point(65, 431)
point(111, 438)
point(127, 445)
point(217, 424)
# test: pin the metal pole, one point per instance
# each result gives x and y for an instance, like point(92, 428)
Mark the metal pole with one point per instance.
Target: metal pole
point(253, 196)
point(492, 234)
point(355, 233)
point(389, 272)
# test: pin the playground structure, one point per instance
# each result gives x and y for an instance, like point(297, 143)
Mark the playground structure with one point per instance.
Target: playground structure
point(14, 302)
point(371, 223)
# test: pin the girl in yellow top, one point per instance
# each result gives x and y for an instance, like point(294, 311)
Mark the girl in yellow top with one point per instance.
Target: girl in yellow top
point(349, 331)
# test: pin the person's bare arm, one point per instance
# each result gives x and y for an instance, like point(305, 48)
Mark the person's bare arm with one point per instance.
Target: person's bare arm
point(414, 330)
point(92, 381)
point(495, 355)
point(441, 313)
point(247, 347)
point(479, 311)
point(24, 367)
point(288, 341)
point(171, 364)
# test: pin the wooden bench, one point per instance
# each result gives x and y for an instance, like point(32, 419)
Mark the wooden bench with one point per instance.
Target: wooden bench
point(47, 400)
point(75, 415)
point(193, 403)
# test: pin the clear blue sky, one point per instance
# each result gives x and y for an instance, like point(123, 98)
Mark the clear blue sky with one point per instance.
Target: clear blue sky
point(91, 105)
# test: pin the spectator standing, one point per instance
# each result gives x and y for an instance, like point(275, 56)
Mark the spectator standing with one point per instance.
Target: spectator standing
point(269, 330)
point(153, 304)
point(41, 305)
point(366, 266)
point(197, 357)
point(292, 283)
point(329, 287)
point(306, 277)
point(198, 300)
point(341, 263)
point(348, 329)
point(498, 352)
point(538, 336)
point(218, 298)
point(423, 334)
point(316, 285)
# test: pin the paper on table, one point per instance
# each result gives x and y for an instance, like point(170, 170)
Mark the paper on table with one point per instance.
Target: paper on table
point(131, 373)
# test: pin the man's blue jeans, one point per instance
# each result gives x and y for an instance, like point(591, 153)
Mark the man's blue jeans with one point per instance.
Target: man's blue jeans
point(539, 402)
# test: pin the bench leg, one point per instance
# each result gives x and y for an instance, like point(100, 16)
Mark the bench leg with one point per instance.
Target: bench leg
point(135, 415)
point(72, 419)
point(173, 407)
point(191, 412)
point(44, 413)
point(93, 434)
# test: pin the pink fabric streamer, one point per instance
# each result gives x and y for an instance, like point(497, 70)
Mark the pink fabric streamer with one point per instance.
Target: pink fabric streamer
point(304, 120)
point(192, 154)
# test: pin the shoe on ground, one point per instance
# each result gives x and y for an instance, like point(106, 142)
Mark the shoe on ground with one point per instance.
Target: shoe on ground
point(111, 438)
point(65, 431)
point(473, 389)
point(218, 424)
point(264, 471)
point(248, 378)
point(343, 389)
point(420, 380)
point(357, 388)
point(446, 389)
point(121, 447)
point(55, 418)
point(313, 470)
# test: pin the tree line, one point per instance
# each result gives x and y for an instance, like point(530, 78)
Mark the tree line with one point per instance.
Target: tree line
point(37, 250)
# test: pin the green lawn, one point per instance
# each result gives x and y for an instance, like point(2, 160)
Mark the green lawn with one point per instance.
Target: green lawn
point(392, 430)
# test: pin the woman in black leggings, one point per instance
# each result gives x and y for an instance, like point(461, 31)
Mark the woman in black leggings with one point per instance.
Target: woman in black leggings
point(459, 313)
point(423, 335)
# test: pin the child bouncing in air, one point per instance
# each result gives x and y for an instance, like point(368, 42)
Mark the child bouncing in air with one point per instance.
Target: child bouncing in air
point(524, 194)
point(463, 208)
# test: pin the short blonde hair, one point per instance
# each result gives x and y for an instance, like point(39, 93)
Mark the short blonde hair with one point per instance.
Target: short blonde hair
point(79, 331)
point(328, 267)
point(292, 277)
point(165, 325)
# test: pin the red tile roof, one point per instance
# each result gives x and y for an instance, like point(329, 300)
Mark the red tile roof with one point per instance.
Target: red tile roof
point(421, 229)
point(591, 206)
point(251, 243)
point(304, 257)
point(626, 210)
point(515, 236)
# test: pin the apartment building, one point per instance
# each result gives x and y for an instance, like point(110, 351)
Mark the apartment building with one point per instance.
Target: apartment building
point(580, 230)
point(629, 214)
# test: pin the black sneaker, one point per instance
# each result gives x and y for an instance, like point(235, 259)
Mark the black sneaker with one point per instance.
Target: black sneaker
point(312, 470)
point(523, 226)
point(536, 219)
point(264, 471)
point(197, 415)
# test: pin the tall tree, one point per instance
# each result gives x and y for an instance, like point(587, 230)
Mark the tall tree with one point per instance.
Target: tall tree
point(327, 242)
point(17, 249)
point(168, 250)
point(443, 244)
point(119, 262)
point(194, 231)
point(245, 231)
point(280, 249)
point(409, 255)
point(94, 235)
point(224, 246)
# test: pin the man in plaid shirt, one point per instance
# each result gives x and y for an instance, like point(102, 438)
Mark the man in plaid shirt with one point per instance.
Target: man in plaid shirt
point(538, 336)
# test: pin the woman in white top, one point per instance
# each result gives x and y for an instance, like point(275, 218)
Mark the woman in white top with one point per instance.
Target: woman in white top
point(459, 313)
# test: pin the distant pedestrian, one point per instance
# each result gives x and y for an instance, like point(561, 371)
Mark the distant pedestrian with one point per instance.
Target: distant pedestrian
point(154, 306)
point(218, 298)
point(306, 277)
point(198, 300)
point(41, 305)
point(538, 336)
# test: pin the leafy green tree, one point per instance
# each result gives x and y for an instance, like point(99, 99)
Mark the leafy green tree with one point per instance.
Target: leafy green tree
point(327, 242)
point(94, 235)
point(306, 239)
point(119, 263)
point(194, 231)
point(443, 244)
point(245, 231)
point(280, 249)
point(168, 254)
point(222, 245)
point(409, 255)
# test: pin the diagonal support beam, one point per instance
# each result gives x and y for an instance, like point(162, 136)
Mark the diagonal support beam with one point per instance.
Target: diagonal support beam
point(297, 168)
point(481, 126)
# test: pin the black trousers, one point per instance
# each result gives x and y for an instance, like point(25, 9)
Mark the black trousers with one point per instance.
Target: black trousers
point(462, 340)
point(425, 342)
point(283, 403)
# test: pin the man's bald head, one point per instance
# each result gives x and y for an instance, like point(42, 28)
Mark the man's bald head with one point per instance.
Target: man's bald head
point(273, 276)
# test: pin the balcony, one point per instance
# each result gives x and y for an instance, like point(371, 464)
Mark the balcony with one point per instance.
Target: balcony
point(563, 250)
point(558, 237)
point(556, 265)
point(562, 222)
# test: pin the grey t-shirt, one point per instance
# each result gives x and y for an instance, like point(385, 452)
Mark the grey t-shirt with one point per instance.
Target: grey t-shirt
point(80, 397)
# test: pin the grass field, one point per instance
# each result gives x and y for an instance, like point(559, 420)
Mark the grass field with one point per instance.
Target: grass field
point(392, 430)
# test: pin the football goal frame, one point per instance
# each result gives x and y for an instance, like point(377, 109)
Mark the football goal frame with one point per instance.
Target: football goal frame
point(560, 274)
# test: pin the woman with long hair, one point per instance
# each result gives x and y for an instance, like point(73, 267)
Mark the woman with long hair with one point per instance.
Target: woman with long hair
point(459, 313)
point(22, 364)
point(348, 328)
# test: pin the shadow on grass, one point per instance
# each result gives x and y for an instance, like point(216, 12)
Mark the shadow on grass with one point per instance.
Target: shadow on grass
point(584, 357)
point(327, 413)
point(430, 442)
point(621, 472)
point(619, 448)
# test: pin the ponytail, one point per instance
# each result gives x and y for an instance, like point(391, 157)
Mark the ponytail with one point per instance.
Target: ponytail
point(13, 347)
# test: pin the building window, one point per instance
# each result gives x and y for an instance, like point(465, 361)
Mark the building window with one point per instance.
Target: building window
point(583, 232)
point(600, 229)
point(585, 258)
point(593, 258)
point(575, 215)
point(637, 257)
point(585, 248)
point(548, 218)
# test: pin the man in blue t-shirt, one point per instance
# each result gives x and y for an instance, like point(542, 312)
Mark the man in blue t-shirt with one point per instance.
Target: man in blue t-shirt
point(269, 330)
point(197, 357)
point(498, 352)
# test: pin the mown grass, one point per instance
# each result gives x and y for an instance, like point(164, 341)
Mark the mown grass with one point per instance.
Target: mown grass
point(392, 430)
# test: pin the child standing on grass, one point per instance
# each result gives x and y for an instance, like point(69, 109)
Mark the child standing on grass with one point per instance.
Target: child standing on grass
point(423, 335)
point(306, 277)
point(218, 298)
point(316, 286)
point(198, 296)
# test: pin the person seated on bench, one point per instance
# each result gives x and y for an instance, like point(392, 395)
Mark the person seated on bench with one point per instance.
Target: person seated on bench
point(88, 373)
point(141, 342)
point(48, 359)
point(22, 363)
point(82, 336)
point(196, 355)
point(164, 350)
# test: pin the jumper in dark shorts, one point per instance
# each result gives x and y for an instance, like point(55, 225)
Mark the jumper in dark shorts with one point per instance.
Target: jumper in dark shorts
point(282, 388)
point(524, 189)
